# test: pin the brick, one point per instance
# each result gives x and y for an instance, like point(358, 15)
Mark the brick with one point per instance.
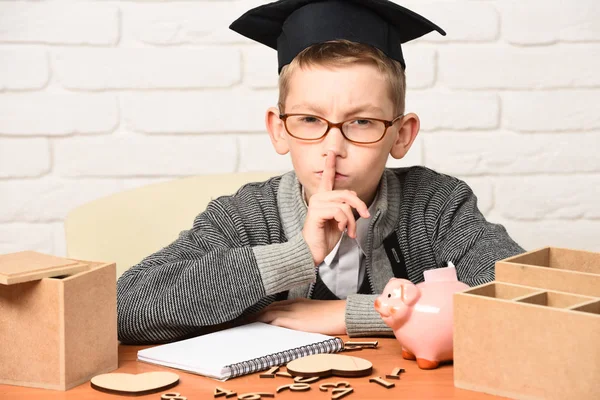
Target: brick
point(57, 113)
point(208, 22)
point(49, 199)
point(575, 234)
point(508, 153)
point(176, 23)
point(23, 236)
point(462, 20)
point(454, 110)
point(143, 156)
point(502, 67)
point(193, 112)
point(23, 69)
point(60, 245)
point(260, 67)
point(549, 21)
point(548, 197)
point(258, 155)
point(421, 65)
point(551, 111)
point(69, 23)
point(21, 158)
point(148, 68)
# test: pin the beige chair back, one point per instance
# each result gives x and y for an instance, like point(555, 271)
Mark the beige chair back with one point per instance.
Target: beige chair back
point(128, 226)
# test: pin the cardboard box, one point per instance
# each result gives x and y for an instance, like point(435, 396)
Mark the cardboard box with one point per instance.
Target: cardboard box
point(56, 332)
point(533, 333)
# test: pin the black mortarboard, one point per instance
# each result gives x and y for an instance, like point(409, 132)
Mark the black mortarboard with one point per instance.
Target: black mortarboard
point(290, 26)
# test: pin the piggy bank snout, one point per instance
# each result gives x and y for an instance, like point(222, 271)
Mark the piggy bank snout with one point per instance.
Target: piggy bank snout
point(401, 291)
point(377, 303)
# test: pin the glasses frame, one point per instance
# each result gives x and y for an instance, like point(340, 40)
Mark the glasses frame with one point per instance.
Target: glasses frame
point(338, 125)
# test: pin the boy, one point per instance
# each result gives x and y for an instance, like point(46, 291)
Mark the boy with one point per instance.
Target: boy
point(312, 249)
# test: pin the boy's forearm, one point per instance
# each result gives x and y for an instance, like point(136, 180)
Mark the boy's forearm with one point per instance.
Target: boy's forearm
point(285, 265)
point(362, 319)
point(181, 290)
point(160, 302)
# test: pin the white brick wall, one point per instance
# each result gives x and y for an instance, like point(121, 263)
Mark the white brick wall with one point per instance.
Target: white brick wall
point(97, 97)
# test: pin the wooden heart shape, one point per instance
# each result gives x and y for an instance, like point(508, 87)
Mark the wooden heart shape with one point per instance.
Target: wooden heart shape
point(131, 384)
point(324, 365)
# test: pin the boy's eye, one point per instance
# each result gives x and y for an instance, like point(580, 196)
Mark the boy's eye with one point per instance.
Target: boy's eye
point(389, 295)
point(361, 122)
point(308, 120)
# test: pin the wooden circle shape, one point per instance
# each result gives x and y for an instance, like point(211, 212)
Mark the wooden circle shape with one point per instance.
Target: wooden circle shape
point(324, 365)
point(131, 384)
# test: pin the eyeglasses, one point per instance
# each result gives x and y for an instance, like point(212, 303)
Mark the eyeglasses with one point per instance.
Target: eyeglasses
point(356, 130)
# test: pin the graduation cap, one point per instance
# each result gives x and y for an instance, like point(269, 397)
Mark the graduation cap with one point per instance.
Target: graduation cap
point(290, 26)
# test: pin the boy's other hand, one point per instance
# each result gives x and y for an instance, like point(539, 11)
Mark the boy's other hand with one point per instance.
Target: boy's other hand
point(330, 213)
point(321, 316)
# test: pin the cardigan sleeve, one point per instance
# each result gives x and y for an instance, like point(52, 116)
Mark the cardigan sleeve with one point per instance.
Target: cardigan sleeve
point(362, 319)
point(463, 235)
point(218, 271)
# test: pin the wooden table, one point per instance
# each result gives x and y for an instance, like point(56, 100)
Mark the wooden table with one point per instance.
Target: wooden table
point(413, 384)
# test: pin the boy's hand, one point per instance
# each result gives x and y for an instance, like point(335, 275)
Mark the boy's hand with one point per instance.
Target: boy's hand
point(330, 213)
point(321, 316)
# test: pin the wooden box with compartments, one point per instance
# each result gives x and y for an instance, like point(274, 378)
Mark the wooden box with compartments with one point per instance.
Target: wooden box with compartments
point(533, 333)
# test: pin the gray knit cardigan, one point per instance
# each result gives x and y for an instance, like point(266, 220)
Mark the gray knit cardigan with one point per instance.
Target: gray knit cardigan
point(246, 251)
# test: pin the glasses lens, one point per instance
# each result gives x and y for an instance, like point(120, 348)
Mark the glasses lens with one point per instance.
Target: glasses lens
point(364, 130)
point(306, 126)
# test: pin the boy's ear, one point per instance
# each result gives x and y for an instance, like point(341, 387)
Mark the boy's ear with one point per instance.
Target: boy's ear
point(407, 133)
point(276, 129)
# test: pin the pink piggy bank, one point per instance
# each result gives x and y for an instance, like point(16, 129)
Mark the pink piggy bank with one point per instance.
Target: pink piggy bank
point(421, 315)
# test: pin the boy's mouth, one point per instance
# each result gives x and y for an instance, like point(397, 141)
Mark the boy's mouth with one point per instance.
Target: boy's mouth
point(337, 175)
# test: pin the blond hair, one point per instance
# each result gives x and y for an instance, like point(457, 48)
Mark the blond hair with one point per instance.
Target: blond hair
point(340, 53)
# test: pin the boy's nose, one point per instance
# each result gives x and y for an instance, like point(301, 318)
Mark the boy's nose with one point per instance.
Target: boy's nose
point(335, 142)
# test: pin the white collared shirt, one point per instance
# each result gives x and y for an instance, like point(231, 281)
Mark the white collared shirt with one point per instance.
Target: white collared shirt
point(343, 269)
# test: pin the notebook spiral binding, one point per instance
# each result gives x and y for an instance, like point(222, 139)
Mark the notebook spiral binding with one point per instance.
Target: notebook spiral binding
point(266, 362)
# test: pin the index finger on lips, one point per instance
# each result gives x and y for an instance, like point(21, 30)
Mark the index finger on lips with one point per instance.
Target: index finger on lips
point(328, 175)
point(348, 197)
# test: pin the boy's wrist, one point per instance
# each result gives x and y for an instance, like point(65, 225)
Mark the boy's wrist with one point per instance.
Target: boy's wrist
point(361, 317)
point(285, 265)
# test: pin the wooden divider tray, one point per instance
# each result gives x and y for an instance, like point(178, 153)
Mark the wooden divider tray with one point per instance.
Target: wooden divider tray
point(534, 333)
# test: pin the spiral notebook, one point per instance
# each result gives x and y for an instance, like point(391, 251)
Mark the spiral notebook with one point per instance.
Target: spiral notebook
point(239, 351)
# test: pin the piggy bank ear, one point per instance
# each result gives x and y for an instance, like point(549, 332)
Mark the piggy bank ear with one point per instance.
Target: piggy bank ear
point(410, 293)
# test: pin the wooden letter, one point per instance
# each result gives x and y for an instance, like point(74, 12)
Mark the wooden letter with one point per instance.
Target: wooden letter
point(284, 374)
point(395, 373)
point(270, 373)
point(223, 392)
point(339, 393)
point(382, 382)
point(352, 348)
point(254, 396)
point(296, 387)
point(326, 386)
point(306, 379)
point(173, 396)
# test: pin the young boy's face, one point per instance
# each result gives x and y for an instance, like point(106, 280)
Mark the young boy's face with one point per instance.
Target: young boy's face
point(339, 94)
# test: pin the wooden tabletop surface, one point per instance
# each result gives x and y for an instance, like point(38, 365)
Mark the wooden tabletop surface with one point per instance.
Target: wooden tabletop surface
point(413, 384)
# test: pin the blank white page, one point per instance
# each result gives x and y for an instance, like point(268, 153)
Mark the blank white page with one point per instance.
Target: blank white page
point(211, 353)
